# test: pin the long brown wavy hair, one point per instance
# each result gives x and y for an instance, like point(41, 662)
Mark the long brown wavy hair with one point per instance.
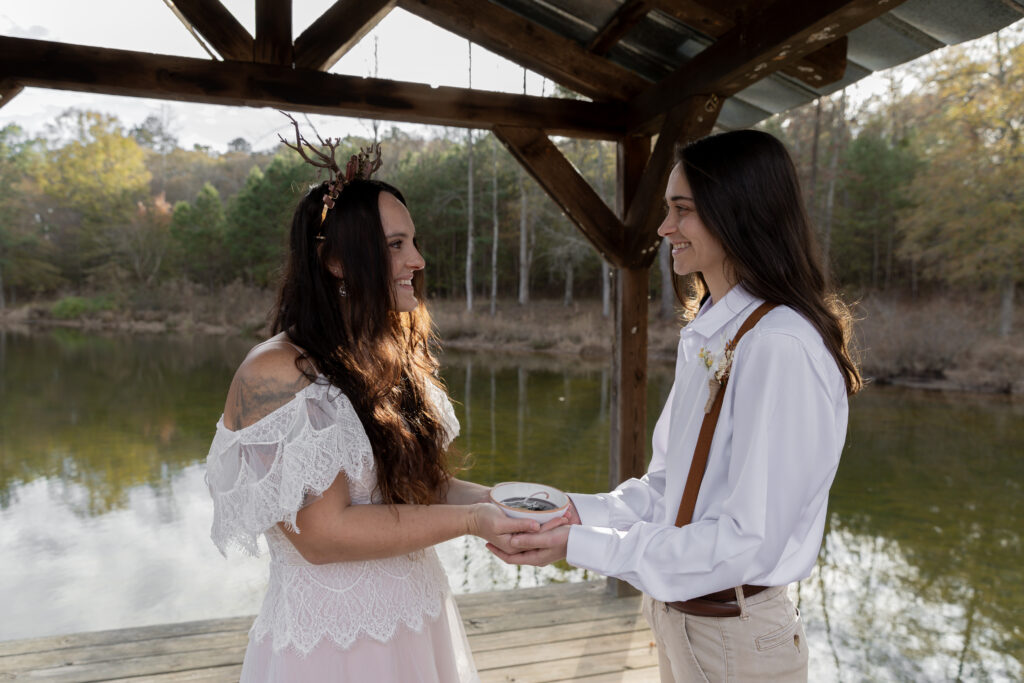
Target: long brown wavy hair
point(381, 359)
point(746, 192)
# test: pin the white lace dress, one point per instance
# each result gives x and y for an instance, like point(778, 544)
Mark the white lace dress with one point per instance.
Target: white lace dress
point(389, 620)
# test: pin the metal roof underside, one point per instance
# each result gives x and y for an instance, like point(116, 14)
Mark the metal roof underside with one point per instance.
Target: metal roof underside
point(659, 44)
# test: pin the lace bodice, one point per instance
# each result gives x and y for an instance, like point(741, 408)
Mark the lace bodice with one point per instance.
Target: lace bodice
point(265, 473)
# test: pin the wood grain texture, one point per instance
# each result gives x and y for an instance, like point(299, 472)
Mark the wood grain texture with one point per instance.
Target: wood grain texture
point(273, 42)
point(139, 74)
point(692, 119)
point(715, 19)
point(337, 31)
point(558, 632)
point(514, 37)
point(218, 26)
point(777, 36)
point(563, 183)
point(626, 17)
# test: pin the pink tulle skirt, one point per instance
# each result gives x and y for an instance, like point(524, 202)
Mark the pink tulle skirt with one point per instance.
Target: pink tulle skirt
point(437, 654)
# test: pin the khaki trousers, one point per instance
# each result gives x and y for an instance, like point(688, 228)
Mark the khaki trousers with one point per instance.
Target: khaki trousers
point(765, 643)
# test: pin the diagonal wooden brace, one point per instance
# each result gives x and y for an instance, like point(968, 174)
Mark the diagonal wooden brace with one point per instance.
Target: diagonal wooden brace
point(693, 118)
point(563, 183)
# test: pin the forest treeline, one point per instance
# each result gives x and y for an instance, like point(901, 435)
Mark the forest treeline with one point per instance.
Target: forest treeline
point(914, 191)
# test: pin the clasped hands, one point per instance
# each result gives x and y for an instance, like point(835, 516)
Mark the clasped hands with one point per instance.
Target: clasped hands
point(542, 547)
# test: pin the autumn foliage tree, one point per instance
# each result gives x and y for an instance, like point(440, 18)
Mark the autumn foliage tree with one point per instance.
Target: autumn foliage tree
point(967, 223)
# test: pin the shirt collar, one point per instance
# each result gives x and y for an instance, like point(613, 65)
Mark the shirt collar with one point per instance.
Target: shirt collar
point(712, 320)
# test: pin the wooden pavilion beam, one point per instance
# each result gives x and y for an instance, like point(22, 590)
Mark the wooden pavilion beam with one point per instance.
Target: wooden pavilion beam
point(218, 26)
point(690, 120)
point(786, 31)
point(514, 37)
point(9, 89)
point(273, 43)
point(626, 17)
point(337, 31)
point(140, 74)
point(563, 183)
point(627, 446)
point(825, 66)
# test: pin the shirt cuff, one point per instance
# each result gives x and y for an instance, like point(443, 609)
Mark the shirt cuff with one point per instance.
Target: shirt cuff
point(591, 547)
point(591, 508)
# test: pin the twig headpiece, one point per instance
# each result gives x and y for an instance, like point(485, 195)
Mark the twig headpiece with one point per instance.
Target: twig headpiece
point(359, 167)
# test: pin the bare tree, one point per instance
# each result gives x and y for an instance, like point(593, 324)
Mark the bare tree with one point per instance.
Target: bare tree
point(494, 230)
point(525, 243)
point(469, 200)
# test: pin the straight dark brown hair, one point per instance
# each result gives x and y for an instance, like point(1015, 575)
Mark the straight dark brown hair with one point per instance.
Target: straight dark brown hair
point(746, 192)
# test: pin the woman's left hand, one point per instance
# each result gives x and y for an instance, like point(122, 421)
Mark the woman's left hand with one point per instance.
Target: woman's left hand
point(538, 549)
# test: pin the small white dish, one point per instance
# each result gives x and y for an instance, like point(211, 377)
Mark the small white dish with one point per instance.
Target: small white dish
point(508, 491)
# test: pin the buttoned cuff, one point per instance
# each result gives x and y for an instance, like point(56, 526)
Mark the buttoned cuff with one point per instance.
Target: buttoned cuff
point(591, 547)
point(591, 508)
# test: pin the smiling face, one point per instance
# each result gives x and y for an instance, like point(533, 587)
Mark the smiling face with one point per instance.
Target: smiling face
point(399, 233)
point(694, 248)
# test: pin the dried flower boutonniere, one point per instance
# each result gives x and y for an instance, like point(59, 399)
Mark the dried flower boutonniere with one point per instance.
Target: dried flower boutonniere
point(719, 372)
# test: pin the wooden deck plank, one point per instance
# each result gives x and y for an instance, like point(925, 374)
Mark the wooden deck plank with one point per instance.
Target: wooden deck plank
point(574, 668)
point(533, 636)
point(559, 632)
point(123, 635)
point(75, 656)
point(575, 648)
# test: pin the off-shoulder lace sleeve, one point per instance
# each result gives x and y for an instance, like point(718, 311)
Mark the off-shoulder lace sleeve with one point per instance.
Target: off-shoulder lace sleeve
point(445, 411)
point(265, 473)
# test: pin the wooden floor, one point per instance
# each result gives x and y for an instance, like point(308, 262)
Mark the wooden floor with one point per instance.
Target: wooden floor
point(563, 632)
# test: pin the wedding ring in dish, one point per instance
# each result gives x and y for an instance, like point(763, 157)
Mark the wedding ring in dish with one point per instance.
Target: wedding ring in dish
point(529, 501)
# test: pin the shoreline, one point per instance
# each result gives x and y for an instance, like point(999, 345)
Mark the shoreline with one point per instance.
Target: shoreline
point(658, 353)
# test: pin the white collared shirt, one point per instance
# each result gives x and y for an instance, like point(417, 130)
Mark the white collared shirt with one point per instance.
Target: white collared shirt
point(760, 515)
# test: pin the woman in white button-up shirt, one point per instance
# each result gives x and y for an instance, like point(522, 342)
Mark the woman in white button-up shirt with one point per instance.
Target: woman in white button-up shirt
point(741, 237)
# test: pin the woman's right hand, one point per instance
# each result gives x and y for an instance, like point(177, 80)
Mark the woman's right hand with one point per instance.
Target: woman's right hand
point(488, 522)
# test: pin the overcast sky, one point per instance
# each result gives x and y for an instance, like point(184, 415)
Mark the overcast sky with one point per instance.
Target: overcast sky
point(439, 58)
point(408, 49)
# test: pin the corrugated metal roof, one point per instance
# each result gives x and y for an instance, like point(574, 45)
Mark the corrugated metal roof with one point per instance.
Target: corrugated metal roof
point(659, 44)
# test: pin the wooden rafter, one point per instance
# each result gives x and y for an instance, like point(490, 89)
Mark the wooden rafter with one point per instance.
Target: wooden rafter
point(9, 89)
point(692, 119)
point(786, 31)
point(545, 162)
point(516, 38)
point(825, 66)
point(343, 25)
point(218, 26)
point(626, 17)
point(697, 15)
point(273, 43)
point(140, 74)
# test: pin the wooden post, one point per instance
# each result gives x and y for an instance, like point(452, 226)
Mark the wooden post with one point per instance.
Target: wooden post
point(629, 363)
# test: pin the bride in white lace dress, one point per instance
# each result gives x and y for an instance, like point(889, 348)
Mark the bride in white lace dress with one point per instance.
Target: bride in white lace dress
point(332, 445)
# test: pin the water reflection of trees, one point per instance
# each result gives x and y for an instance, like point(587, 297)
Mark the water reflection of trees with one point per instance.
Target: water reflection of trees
point(107, 413)
point(538, 418)
point(919, 577)
point(935, 479)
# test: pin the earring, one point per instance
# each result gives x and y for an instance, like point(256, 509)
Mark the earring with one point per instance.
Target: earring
point(342, 290)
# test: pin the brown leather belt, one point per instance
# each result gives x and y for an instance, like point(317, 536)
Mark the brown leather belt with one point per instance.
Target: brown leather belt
point(720, 604)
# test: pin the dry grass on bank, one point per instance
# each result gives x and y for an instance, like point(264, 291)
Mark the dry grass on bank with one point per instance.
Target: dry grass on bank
point(939, 340)
point(543, 325)
point(943, 343)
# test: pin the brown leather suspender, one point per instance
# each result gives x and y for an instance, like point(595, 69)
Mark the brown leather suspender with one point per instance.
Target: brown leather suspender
point(707, 430)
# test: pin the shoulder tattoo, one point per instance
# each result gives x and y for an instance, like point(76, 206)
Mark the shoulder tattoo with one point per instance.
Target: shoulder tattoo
point(257, 397)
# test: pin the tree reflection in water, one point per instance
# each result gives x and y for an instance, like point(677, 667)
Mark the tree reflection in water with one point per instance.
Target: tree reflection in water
point(104, 437)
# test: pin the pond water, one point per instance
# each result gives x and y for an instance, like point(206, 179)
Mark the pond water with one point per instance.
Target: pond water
point(104, 516)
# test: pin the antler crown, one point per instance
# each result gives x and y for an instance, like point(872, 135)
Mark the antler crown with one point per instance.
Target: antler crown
point(360, 166)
